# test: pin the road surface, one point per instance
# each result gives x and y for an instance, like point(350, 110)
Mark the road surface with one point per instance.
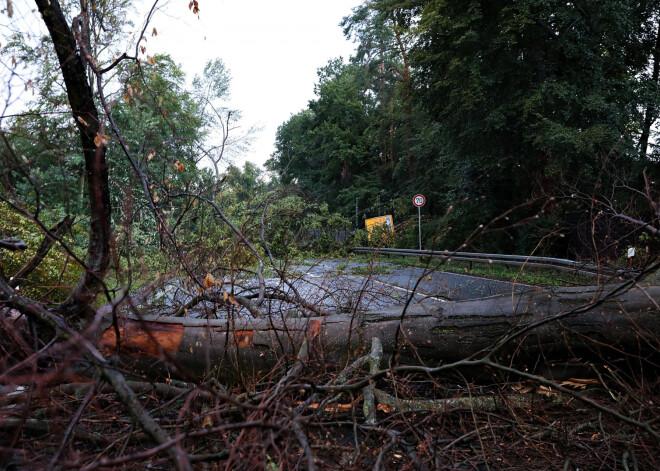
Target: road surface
point(345, 286)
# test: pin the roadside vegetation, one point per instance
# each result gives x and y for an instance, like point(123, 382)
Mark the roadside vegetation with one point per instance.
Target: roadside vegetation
point(533, 276)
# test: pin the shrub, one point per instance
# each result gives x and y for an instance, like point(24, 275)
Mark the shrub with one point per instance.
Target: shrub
point(55, 276)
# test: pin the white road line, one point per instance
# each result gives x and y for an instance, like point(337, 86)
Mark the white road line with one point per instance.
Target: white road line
point(419, 293)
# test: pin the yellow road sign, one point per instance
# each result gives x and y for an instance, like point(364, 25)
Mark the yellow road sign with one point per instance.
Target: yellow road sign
point(386, 220)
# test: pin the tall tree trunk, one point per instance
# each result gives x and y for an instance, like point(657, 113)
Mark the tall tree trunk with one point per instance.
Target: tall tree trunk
point(571, 323)
point(85, 114)
point(651, 109)
point(405, 79)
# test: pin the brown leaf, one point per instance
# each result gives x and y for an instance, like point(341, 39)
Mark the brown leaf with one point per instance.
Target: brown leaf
point(330, 407)
point(151, 60)
point(151, 155)
point(233, 301)
point(578, 383)
point(207, 422)
point(154, 32)
point(101, 139)
point(209, 281)
point(82, 121)
point(522, 388)
point(127, 98)
point(546, 391)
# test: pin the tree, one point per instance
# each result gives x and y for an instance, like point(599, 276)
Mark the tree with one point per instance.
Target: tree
point(553, 84)
point(328, 148)
point(211, 90)
point(88, 122)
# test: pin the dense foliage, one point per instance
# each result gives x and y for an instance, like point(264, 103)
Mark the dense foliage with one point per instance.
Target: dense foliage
point(485, 107)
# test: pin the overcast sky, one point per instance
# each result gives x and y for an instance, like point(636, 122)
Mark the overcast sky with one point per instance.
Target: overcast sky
point(272, 47)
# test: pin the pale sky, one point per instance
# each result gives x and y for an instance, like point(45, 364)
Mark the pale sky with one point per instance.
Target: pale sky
point(272, 47)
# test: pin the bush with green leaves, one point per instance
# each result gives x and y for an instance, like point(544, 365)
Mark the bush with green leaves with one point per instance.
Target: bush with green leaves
point(52, 280)
point(295, 227)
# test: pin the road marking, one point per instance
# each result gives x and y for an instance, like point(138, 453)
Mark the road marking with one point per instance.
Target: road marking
point(411, 291)
point(416, 293)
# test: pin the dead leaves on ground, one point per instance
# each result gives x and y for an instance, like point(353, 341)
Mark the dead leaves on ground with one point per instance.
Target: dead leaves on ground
point(574, 383)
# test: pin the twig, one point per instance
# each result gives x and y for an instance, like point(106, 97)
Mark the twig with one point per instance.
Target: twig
point(117, 380)
point(482, 403)
point(374, 359)
point(47, 427)
point(13, 244)
point(304, 443)
point(72, 425)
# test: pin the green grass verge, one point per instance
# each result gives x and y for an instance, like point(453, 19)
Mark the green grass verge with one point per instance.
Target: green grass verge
point(532, 276)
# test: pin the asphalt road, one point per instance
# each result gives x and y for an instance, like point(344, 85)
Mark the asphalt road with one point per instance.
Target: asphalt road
point(338, 286)
point(343, 286)
point(385, 284)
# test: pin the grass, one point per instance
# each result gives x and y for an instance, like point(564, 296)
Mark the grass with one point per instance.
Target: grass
point(376, 269)
point(532, 276)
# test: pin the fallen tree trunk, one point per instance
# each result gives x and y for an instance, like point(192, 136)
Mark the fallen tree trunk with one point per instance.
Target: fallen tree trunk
point(579, 323)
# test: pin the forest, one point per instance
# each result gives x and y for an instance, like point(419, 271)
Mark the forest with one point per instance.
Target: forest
point(153, 309)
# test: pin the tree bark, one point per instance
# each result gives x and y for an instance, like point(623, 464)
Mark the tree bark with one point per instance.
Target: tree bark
point(651, 112)
point(582, 323)
point(86, 116)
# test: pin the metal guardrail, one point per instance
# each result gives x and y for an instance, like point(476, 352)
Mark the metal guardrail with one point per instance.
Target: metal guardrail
point(559, 264)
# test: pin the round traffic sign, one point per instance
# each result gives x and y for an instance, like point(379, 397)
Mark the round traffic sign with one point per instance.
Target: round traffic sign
point(419, 200)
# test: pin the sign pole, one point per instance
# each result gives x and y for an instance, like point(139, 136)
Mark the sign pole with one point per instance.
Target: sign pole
point(419, 224)
point(419, 200)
